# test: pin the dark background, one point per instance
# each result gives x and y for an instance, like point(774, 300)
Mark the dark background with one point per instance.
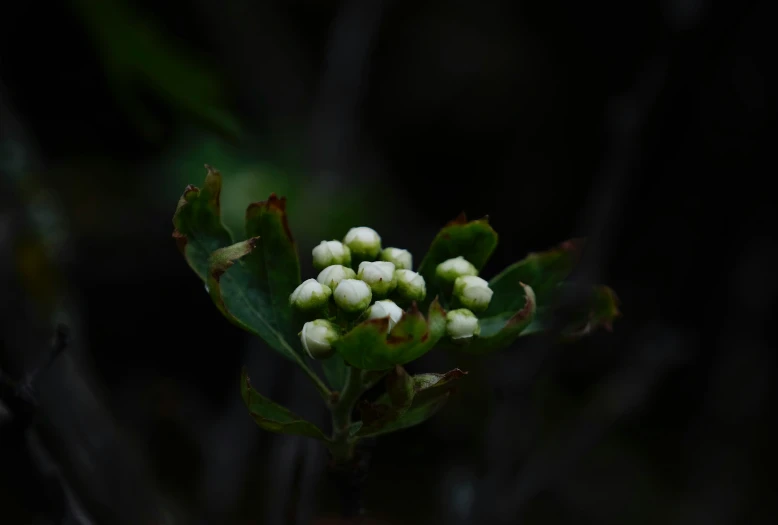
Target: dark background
point(646, 126)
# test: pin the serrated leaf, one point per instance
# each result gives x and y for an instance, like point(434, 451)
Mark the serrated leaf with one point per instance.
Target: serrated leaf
point(473, 240)
point(274, 417)
point(241, 296)
point(546, 273)
point(499, 331)
point(370, 346)
point(274, 260)
point(542, 271)
point(600, 308)
point(198, 229)
point(430, 393)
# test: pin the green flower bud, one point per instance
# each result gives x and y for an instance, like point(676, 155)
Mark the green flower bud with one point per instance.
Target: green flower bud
point(318, 337)
point(410, 285)
point(402, 259)
point(328, 253)
point(310, 295)
point(386, 308)
point(379, 275)
point(462, 324)
point(473, 292)
point(332, 275)
point(364, 242)
point(352, 295)
point(457, 267)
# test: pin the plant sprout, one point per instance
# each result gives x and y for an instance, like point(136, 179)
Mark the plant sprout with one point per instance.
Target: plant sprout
point(369, 312)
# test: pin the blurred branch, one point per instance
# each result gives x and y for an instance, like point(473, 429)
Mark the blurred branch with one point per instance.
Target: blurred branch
point(343, 82)
point(71, 422)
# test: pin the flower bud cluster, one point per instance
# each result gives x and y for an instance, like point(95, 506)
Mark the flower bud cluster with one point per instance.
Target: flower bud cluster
point(365, 291)
point(469, 291)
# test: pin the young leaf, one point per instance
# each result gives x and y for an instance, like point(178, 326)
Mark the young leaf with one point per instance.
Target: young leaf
point(473, 240)
point(370, 346)
point(198, 229)
point(600, 308)
point(542, 271)
point(499, 331)
point(273, 417)
point(430, 393)
point(241, 296)
point(274, 261)
point(546, 273)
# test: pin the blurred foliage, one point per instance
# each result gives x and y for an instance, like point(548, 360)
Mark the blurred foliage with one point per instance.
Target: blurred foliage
point(140, 58)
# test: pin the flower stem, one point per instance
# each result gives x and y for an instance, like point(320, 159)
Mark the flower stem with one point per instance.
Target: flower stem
point(342, 445)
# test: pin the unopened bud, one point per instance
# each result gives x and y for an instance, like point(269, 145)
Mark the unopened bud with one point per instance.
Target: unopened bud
point(386, 308)
point(332, 275)
point(318, 337)
point(310, 295)
point(410, 285)
point(352, 295)
point(379, 275)
point(452, 268)
point(402, 259)
point(473, 292)
point(328, 253)
point(462, 324)
point(363, 242)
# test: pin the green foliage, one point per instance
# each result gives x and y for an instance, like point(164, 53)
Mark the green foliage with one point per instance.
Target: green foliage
point(430, 392)
point(272, 416)
point(370, 345)
point(250, 282)
point(474, 240)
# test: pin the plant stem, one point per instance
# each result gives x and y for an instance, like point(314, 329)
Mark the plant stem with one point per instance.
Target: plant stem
point(342, 446)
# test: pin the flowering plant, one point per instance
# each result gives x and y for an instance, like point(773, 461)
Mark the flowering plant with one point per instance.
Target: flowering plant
point(368, 312)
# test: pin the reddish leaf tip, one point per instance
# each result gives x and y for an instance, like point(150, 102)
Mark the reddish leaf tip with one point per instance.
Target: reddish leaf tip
point(460, 219)
point(396, 339)
point(526, 310)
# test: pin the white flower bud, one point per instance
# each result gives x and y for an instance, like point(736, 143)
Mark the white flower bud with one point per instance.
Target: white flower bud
point(332, 275)
point(386, 308)
point(473, 292)
point(353, 295)
point(462, 324)
point(310, 295)
point(328, 253)
point(402, 259)
point(317, 338)
point(457, 267)
point(364, 242)
point(379, 275)
point(410, 285)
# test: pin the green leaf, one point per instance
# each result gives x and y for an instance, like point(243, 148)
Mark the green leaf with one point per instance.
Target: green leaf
point(274, 261)
point(430, 393)
point(499, 331)
point(241, 295)
point(198, 229)
point(370, 346)
point(546, 273)
point(599, 310)
point(473, 240)
point(274, 417)
point(542, 271)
